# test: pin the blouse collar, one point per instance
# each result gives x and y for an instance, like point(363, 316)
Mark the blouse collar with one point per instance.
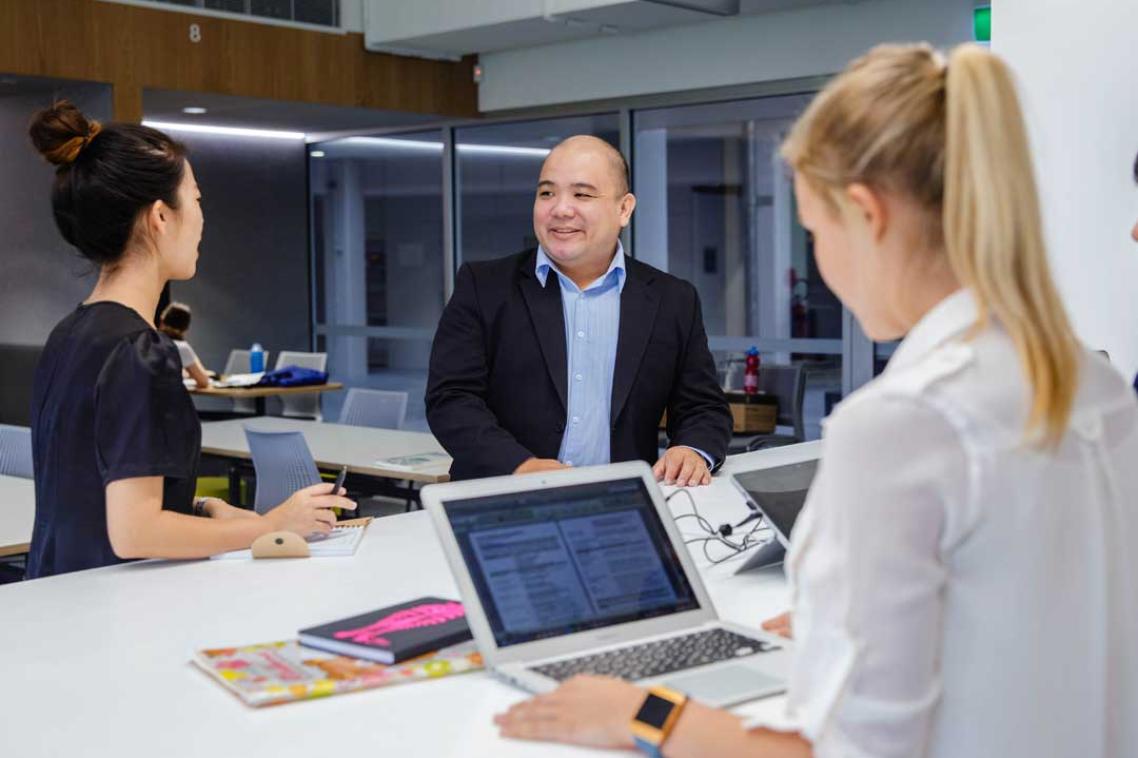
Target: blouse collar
point(945, 320)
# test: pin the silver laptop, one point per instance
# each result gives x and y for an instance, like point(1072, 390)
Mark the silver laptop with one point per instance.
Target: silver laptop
point(774, 484)
point(584, 571)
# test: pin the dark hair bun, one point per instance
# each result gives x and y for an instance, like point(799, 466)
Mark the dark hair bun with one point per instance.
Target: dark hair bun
point(61, 132)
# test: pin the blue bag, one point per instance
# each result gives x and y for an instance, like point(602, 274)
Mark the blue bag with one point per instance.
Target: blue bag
point(293, 376)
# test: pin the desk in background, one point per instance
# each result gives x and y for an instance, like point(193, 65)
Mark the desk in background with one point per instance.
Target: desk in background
point(17, 513)
point(107, 653)
point(332, 445)
point(258, 394)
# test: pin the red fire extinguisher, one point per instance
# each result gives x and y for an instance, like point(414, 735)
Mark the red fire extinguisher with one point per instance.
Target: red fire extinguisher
point(751, 372)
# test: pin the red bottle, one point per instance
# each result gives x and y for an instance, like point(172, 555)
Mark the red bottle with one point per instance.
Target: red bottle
point(751, 373)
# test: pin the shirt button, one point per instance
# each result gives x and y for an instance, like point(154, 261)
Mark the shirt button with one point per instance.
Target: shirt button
point(579, 377)
point(568, 463)
point(576, 419)
point(580, 335)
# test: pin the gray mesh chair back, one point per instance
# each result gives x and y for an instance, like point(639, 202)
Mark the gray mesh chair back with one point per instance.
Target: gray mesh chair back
point(788, 384)
point(302, 406)
point(238, 363)
point(283, 465)
point(382, 409)
point(16, 451)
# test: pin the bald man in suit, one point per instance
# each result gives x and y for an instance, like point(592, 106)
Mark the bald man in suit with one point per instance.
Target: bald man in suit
point(568, 355)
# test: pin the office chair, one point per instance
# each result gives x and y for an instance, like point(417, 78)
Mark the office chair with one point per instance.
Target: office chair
point(382, 409)
point(302, 406)
point(788, 384)
point(283, 465)
point(16, 451)
point(238, 363)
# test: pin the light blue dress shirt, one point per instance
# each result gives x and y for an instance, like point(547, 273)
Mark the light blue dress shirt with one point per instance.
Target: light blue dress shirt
point(592, 325)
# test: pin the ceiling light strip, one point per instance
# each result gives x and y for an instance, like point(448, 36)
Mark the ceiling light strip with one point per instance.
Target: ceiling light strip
point(229, 131)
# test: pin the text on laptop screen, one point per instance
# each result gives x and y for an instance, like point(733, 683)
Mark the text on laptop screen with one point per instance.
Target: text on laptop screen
point(780, 492)
point(557, 561)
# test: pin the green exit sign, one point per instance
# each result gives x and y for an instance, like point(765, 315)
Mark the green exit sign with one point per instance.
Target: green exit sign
point(982, 23)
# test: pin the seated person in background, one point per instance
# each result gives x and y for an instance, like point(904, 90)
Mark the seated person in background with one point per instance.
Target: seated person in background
point(964, 575)
point(175, 322)
point(568, 355)
point(1134, 236)
point(115, 437)
point(1134, 231)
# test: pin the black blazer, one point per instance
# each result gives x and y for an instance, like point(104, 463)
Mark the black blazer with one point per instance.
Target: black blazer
point(496, 391)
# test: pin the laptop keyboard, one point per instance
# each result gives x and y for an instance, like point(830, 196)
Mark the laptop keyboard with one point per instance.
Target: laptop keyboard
point(651, 659)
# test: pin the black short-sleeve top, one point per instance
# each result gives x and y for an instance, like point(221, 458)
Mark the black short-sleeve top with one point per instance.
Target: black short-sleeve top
point(108, 404)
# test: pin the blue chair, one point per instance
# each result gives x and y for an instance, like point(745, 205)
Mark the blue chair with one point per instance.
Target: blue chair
point(381, 409)
point(16, 451)
point(283, 465)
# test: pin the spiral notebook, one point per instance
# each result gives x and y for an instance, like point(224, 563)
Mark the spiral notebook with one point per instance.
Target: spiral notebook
point(343, 540)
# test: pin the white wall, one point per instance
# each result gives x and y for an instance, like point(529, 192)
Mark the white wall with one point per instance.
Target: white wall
point(812, 41)
point(1078, 78)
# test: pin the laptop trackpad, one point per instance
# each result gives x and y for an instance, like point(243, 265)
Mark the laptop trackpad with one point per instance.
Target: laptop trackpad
point(726, 684)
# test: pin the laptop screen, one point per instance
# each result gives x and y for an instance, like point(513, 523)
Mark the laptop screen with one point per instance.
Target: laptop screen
point(551, 562)
point(779, 491)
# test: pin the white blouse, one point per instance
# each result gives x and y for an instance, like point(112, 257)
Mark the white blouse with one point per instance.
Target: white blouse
point(958, 592)
point(186, 353)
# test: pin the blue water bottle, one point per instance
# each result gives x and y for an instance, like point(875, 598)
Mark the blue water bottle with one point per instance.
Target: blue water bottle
point(256, 358)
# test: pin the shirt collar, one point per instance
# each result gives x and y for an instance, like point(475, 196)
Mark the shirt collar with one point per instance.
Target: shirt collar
point(544, 264)
point(945, 320)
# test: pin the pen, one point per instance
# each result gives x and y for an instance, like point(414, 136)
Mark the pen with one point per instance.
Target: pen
point(340, 480)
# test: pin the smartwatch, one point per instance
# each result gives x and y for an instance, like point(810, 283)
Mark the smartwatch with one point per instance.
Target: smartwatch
point(656, 718)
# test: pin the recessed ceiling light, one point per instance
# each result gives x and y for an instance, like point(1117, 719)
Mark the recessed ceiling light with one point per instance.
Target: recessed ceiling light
point(317, 153)
point(194, 110)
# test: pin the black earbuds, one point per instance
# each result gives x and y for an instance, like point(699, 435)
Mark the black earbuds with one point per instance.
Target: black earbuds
point(725, 530)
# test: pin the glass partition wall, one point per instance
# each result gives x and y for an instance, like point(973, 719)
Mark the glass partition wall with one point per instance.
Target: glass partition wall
point(394, 215)
point(377, 239)
point(716, 207)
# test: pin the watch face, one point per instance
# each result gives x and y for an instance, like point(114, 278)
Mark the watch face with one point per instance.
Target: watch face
point(654, 712)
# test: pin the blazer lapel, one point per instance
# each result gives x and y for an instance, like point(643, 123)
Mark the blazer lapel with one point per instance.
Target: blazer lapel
point(545, 310)
point(638, 304)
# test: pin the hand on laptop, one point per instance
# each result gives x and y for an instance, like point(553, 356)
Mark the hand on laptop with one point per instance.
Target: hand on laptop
point(533, 465)
point(586, 710)
point(779, 625)
point(683, 467)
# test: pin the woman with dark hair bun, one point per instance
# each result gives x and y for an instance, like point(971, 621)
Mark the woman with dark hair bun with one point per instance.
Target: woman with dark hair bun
point(115, 437)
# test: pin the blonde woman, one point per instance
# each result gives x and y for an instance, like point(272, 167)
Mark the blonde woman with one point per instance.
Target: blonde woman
point(964, 572)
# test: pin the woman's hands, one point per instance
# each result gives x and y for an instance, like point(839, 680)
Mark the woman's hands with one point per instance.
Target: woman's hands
point(308, 510)
point(586, 710)
point(780, 625)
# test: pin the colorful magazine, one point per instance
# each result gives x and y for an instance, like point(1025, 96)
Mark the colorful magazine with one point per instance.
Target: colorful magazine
point(281, 672)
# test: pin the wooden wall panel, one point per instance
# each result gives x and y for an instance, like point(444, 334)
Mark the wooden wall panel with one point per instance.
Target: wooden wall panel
point(136, 48)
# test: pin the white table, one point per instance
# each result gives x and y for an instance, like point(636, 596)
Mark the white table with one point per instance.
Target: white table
point(98, 664)
point(332, 445)
point(17, 513)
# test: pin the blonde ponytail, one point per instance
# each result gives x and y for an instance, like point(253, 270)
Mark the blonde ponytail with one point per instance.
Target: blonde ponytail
point(952, 137)
point(994, 233)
